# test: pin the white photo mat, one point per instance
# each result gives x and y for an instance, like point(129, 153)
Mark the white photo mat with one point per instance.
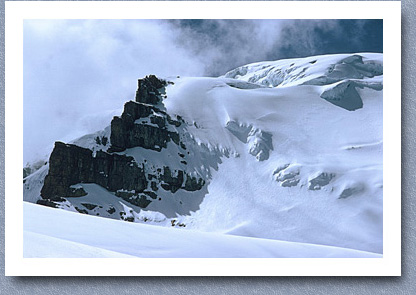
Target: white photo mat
point(389, 265)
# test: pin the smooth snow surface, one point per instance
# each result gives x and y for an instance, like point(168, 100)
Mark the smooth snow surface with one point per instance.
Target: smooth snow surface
point(290, 150)
point(82, 236)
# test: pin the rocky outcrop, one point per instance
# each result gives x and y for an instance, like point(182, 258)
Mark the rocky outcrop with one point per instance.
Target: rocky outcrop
point(144, 124)
point(70, 164)
point(173, 181)
point(259, 142)
point(321, 180)
point(287, 175)
point(47, 203)
point(150, 90)
point(141, 200)
point(352, 190)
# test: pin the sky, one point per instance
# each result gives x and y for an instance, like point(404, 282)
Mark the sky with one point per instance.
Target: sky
point(79, 73)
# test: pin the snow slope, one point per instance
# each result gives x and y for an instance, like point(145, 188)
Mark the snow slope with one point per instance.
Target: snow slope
point(300, 149)
point(309, 137)
point(82, 236)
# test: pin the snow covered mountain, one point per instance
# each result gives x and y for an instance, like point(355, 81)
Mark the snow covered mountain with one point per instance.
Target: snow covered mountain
point(289, 150)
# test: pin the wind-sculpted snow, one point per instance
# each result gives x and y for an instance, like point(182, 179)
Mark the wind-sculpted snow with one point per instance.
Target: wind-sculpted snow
point(288, 150)
point(76, 236)
point(339, 72)
point(315, 70)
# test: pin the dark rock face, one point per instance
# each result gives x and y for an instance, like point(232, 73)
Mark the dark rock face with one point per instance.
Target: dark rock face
point(172, 183)
point(47, 203)
point(193, 183)
point(174, 180)
point(139, 200)
point(68, 165)
point(114, 172)
point(82, 211)
point(142, 125)
point(111, 210)
point(150, 90)
point(71, 164)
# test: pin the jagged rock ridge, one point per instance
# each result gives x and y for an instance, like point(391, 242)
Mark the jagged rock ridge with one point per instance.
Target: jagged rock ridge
point(144, 124)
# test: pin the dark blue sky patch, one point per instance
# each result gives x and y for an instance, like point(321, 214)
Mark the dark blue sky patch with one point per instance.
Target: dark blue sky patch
point(246, 41)
point(348, 36)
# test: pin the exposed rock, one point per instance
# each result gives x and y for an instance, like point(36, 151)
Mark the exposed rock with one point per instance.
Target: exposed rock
point(111, 210)
point(321, 180)
point(193, 183)
point(124, 194)
point(281, 168)
point(344, 95)
point(348, 192)
point(89, 206)
point(259, 141)
point(287, 175)
point(83, 211)
point(150, 90)
point(153, 185)
point(290, 182)
point(101, 140)
point(47, 203)
point(129, 219)
point(151, 194)
point(165, 186)
point(171, 182)
point(153, 133)
point(78, 192)
point(143, 123)
point(114, 172)
point(137, 200)
point(70, 164)
point(238, 130)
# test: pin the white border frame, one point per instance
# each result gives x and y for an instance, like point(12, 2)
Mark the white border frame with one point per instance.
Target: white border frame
point(389, 265)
